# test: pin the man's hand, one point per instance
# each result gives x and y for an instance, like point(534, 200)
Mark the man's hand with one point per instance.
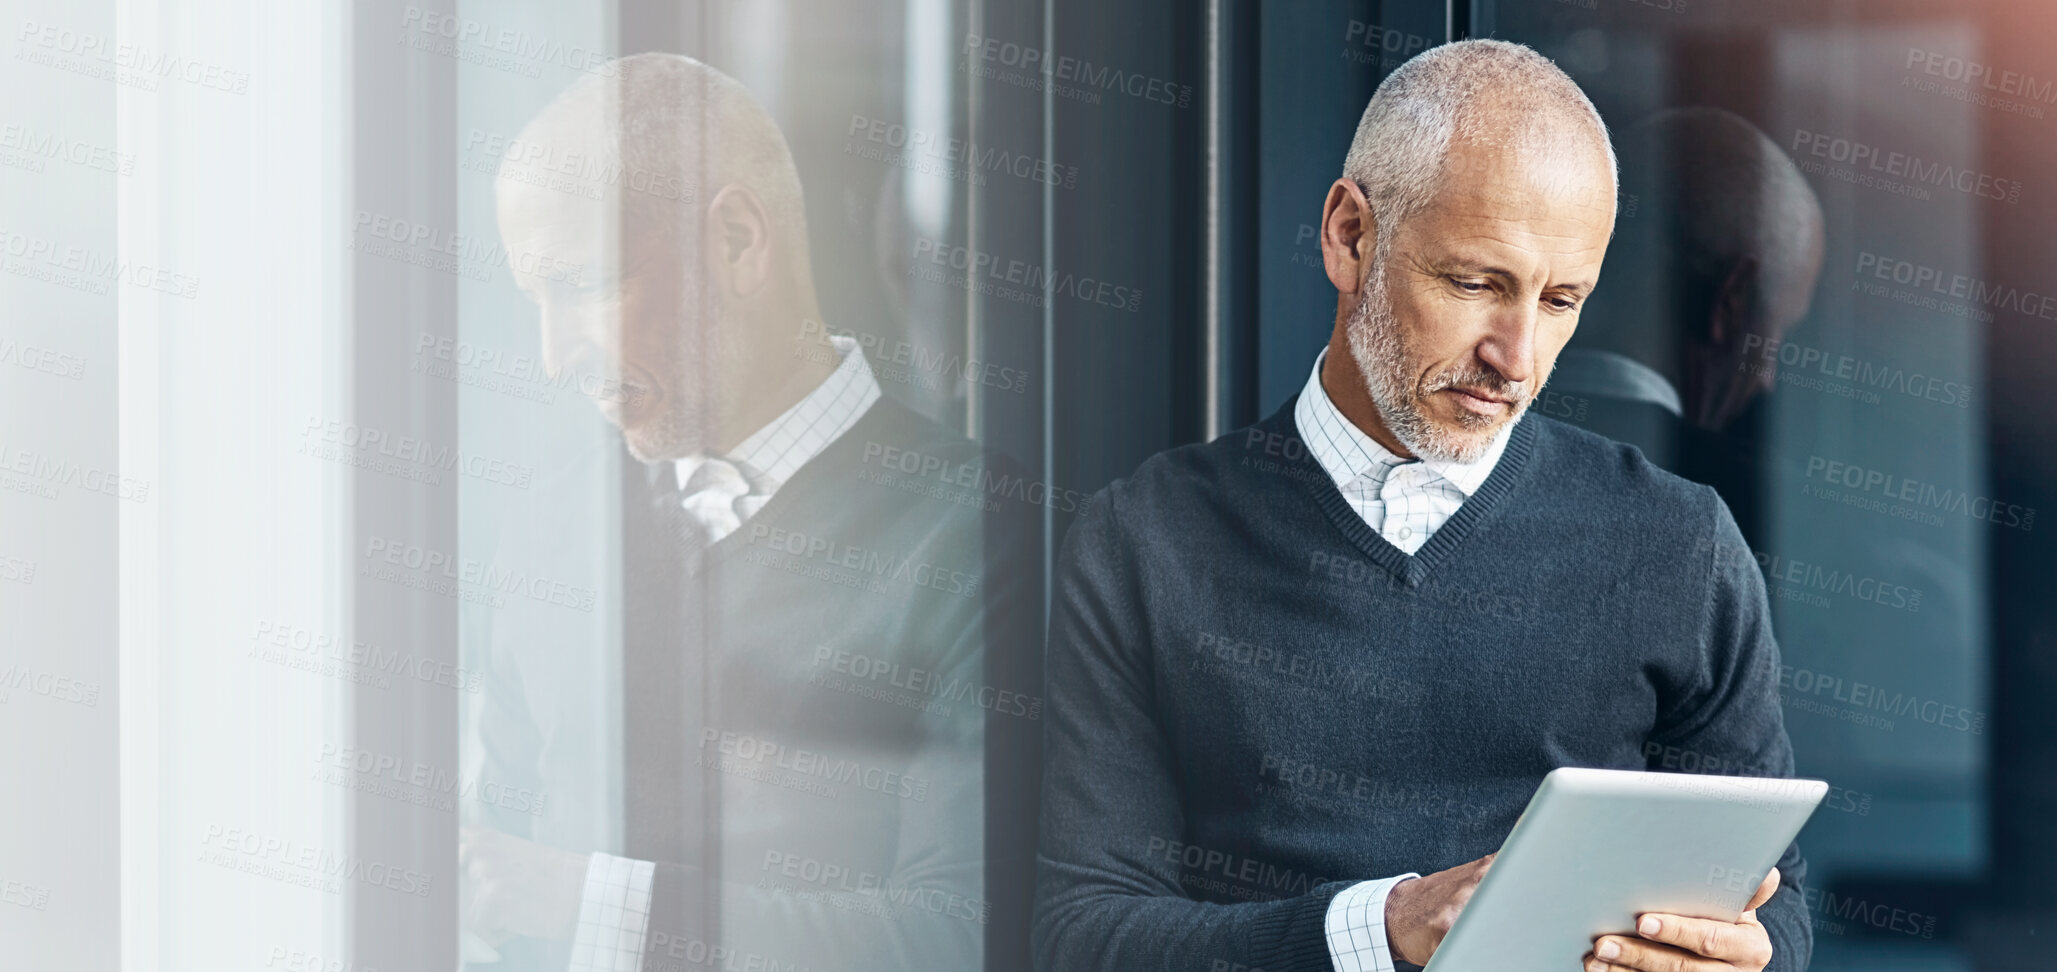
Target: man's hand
point(1419, 911)
point(1672, 943)
point(518, 887)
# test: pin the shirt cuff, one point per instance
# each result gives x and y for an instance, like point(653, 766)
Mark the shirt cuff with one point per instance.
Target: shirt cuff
point(1356, 926)
point(614, 914)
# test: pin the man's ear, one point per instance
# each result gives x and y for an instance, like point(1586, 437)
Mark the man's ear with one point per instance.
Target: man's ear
point(1736, 306)
point(1348, 231)
point(739, 240)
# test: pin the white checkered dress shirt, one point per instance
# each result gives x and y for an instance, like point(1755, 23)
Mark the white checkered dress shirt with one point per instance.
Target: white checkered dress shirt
point(1405, 501)
point(614, 912)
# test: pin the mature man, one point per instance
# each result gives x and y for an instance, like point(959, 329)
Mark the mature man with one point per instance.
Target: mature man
point(1716, 259)
point(808, 692)
point(1294, 669)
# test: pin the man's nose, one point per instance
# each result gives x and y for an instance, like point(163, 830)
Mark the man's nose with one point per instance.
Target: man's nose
point(1510, 347)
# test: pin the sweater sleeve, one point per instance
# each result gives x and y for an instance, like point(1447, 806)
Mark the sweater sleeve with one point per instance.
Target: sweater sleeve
point(1730, 713)
point(1110, 791)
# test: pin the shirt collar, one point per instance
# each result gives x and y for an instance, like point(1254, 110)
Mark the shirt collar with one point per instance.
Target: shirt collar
point(1347, 453)
point(1588, 371)
point(772, 454)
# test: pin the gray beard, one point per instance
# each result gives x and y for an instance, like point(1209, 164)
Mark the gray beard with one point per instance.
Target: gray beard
point(1387, 363)
point(686, 421)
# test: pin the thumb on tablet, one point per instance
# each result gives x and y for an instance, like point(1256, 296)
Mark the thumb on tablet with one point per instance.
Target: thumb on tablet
point(1765, 890)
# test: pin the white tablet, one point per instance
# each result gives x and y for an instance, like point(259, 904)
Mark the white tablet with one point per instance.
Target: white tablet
point(1596, 848)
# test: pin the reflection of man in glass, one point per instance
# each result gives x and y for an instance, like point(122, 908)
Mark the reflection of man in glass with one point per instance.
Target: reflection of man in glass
point(1715, 255)
point(1304, 678)
point(805, 691)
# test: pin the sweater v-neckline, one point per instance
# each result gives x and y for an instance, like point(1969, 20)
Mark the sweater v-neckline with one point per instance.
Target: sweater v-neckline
point(1409, 569)
point(801, 484)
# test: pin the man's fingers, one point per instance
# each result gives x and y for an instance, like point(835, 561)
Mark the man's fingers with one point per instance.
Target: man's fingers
point(1743, 944)
point(1765, 890)
point(1612, 953)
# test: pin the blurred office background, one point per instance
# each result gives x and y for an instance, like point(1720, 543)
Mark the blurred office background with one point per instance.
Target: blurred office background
point(1108, 206)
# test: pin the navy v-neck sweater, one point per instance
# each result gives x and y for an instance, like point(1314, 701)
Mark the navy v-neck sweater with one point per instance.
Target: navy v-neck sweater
point(1256, 701)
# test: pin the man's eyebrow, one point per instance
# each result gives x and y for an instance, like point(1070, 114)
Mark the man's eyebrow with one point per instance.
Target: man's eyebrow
point(1478, 268)
point(1483, 269)
point(1469, 266)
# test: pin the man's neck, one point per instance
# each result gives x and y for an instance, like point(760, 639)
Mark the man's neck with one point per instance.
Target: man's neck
point(1344, 382)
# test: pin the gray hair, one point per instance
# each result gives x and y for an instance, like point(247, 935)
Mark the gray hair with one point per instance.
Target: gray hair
point(1485, 90)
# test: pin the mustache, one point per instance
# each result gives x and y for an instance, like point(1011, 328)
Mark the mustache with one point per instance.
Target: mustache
point(1482, 381)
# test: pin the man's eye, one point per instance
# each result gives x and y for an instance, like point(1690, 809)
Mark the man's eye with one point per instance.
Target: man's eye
point(579, 291)
point(1471, 286)
point(1560, 303)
